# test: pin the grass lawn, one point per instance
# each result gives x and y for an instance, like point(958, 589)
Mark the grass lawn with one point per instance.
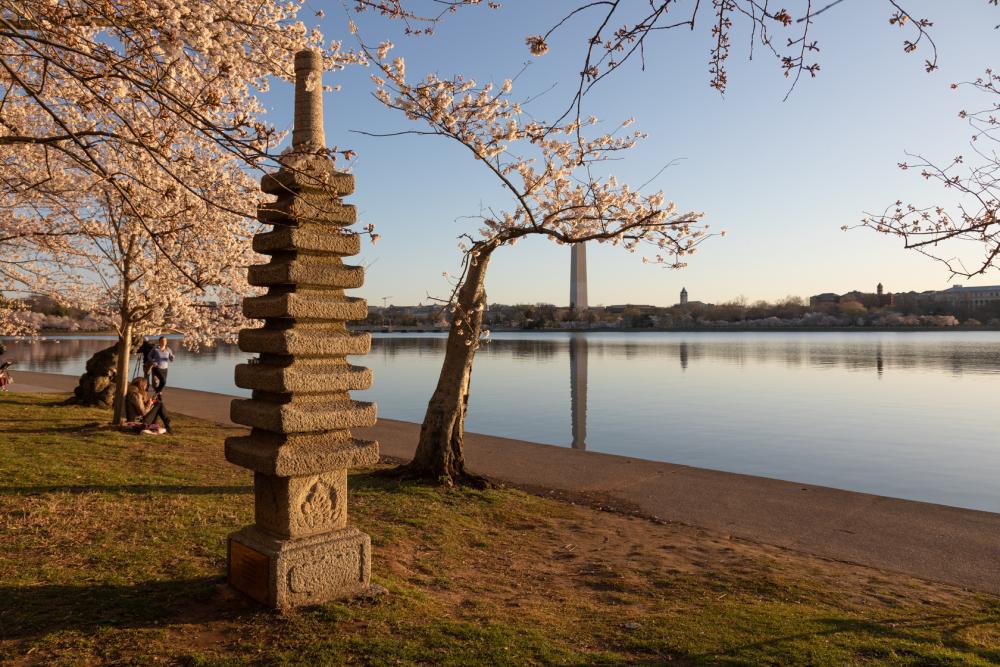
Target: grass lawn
point(112, 551)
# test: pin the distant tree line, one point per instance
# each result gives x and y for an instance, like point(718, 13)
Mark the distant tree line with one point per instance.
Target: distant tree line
point(789, 312)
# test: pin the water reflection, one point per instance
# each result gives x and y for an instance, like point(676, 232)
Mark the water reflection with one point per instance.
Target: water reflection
point(391, 346)
point(51, 355)
point(955, 353)
point(578, 389)
point(952, 354)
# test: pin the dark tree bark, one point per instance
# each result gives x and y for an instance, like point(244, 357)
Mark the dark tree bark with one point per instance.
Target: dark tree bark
point(124, 348)
point(440, 455)
point(121, 380)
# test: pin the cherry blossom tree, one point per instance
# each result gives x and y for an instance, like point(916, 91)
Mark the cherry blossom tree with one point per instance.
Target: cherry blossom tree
point(126, 129)
point(79, 75)
point(86, 82)
point(12, 318)
point(135, 74)
point(971, 217)
point(158, 258)
point(555, 192)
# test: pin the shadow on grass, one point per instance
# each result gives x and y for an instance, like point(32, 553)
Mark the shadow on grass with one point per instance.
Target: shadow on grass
point(49, 430)
point(384, 479)
point(46, 400)
point(922, 638)
point(35, 611)
point(138, 489)
point(371, 481)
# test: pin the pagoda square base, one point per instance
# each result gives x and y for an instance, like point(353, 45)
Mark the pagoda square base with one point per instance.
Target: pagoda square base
point(291, 573)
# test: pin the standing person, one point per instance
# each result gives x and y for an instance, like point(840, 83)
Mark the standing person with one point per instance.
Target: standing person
point(160, 358)
point(144, 351)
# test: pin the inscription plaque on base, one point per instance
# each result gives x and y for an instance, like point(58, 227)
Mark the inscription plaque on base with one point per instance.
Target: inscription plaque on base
point(249, 571)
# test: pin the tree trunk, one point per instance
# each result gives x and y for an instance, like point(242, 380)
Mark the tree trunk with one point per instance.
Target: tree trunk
point(440, 454)
point(125, 333)
point(121, 375)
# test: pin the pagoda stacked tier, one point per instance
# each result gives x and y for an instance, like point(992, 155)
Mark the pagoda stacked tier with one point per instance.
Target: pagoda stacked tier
point(301, 549)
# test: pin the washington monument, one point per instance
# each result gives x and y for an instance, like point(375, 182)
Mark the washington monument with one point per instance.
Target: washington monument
point(578, 277)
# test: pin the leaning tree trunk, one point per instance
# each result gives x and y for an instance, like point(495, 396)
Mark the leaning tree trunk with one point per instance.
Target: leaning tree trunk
point(440, 453)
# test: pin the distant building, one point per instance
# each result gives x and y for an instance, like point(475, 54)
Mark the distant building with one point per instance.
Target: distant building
point(883, 298)
point(826, 298)
point(956, 296)
point(867, 299)
point(688, 303)
point(970, 297)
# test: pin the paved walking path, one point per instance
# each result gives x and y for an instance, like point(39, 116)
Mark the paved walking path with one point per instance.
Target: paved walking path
point(935, 542)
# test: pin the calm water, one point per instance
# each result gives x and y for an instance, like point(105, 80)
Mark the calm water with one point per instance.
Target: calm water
point(911, 415)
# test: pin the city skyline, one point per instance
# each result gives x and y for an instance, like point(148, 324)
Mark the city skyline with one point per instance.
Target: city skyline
point(684, 296)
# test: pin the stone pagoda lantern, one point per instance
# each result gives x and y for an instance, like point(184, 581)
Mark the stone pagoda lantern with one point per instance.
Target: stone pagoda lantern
point(301, 549)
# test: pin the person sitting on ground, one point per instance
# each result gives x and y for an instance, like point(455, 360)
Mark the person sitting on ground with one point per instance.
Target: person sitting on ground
point(139, 407)
point(160, 358)
point(5, 378)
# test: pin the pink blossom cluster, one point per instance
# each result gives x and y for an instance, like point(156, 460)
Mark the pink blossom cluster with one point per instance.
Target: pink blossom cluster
point(125, 132)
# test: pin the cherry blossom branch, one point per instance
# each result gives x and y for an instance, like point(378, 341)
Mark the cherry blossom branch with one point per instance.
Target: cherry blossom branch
point(604, 54)
point(973, 217)
point(400, 10)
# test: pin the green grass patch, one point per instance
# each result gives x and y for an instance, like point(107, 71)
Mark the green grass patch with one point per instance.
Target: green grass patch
point(112, 551)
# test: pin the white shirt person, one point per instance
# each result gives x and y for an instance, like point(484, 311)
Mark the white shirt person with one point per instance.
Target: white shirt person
point(159, 359)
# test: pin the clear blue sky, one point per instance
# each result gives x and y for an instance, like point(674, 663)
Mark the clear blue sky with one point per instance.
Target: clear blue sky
point(780, 177)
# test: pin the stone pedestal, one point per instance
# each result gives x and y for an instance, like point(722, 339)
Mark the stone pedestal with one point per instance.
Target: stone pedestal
point(301, 549)
point(292, 573)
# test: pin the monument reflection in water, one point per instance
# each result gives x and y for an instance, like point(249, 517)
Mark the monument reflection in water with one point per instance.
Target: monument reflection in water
point(578, 389)
point(579, 350)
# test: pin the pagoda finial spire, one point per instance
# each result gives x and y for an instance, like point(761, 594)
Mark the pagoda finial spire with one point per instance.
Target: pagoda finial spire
point(307, 131)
